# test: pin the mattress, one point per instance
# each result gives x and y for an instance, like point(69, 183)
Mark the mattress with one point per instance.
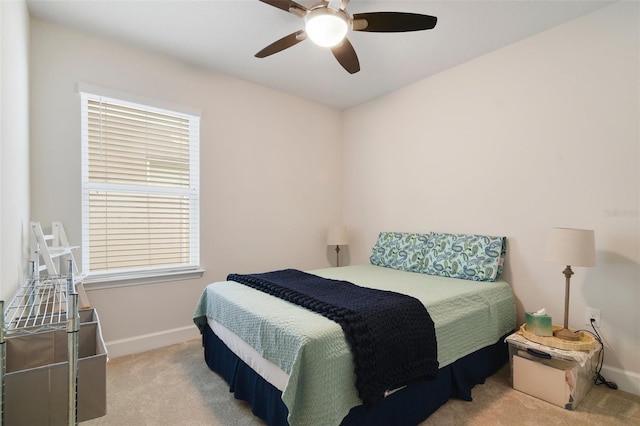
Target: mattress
point(306, 355)
point(265, 368)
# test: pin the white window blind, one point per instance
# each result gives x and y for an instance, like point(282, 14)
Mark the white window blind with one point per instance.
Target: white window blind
point(140, 188)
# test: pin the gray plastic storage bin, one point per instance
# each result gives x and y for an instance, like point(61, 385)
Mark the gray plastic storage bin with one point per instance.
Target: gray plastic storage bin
point(553, 375)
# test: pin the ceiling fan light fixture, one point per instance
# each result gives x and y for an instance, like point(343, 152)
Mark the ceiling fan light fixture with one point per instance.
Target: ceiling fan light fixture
point(328, 22)
point(326, 27)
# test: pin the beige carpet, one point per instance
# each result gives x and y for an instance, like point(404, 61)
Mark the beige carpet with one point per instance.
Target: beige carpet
point(173, 386)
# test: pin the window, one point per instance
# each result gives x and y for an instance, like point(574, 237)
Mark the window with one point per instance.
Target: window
point(140, 190)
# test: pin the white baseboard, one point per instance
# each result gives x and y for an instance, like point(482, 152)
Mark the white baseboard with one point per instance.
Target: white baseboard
point(626, 380)
point(151, 341)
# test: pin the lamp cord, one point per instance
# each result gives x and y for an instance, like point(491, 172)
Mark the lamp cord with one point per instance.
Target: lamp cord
point(599, 378)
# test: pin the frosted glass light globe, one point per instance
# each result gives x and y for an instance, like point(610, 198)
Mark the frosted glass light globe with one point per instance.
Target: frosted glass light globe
point(326, 29)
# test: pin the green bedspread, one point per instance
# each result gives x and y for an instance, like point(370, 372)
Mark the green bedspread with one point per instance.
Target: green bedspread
point(468, 315)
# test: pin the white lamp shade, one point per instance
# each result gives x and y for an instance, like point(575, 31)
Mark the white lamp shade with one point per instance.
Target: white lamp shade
point(569, 246)
point(337, 236)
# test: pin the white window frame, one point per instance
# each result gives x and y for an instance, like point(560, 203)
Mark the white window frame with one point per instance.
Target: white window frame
point(149, 274)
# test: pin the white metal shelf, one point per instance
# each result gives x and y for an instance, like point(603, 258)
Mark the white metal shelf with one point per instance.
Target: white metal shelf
point(39, 305)
point(42, 304)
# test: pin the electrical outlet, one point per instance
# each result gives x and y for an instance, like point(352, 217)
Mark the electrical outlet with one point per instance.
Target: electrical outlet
point(593, 313)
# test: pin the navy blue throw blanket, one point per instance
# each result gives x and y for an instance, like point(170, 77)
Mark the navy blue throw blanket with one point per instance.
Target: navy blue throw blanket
point(391, 335)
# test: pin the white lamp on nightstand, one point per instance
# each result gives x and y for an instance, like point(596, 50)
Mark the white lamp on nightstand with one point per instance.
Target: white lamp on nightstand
point(337, 237)
point(569, 246)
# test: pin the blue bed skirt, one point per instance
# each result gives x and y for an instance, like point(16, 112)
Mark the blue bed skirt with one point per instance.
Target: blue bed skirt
point(407, 407)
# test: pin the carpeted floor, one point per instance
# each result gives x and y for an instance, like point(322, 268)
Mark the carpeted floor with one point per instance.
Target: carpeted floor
point(173, 386)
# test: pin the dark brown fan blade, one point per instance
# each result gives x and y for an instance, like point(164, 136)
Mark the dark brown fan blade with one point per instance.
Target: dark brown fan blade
point(284, 5)
point(392, 22)
point(346, 55)
point(284, 43)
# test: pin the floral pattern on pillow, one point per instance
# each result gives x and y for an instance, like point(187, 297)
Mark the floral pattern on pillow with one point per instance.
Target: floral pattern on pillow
point(401, 250)
point(471, 257)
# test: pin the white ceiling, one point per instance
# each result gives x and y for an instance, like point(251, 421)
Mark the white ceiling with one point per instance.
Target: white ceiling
point(224, 36)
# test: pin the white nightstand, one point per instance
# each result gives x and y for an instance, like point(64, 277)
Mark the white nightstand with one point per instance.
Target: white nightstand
point(561, 377)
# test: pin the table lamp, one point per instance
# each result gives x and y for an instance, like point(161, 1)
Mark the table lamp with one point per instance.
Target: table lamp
point(338, 237)
point(569, 246)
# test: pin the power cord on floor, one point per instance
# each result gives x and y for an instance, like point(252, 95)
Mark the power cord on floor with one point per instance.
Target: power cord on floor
point(599, 378)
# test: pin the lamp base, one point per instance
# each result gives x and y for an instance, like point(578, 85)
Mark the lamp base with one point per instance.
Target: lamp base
point(566, 334)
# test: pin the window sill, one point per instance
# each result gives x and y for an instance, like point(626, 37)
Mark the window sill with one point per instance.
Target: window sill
point(99, 282)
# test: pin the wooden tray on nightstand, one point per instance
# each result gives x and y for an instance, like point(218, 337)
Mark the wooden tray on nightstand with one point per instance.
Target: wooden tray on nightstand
point(586, 342)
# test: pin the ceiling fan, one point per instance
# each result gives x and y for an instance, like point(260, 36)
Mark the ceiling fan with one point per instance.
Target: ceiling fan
point(328, 22)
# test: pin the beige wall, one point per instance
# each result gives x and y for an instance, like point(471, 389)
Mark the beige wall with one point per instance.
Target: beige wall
point(538, 134)
point(541, 133)
point(270, 188)
point(14, 145)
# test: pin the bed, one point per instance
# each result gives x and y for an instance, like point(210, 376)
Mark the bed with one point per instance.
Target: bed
point(295, 366)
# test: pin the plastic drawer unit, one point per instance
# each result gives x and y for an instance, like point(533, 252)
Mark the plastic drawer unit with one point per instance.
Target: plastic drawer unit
point(561, 377)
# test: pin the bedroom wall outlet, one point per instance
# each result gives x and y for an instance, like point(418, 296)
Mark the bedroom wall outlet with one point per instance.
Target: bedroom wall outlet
point(595, 314)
